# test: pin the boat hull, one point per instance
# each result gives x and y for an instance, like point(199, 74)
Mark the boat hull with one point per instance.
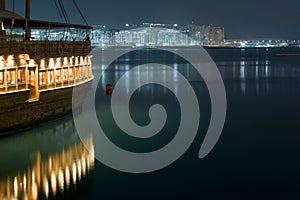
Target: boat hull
point(18, 112)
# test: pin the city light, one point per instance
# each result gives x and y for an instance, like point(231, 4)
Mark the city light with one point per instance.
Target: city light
point(147, 34)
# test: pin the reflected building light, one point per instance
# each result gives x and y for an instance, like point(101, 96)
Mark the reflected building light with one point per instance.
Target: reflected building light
point(188, 76)
point(127, 84)
point(74, 172)
point(34, 191)
point(50, 163)
point(139, 74)
point(46, 186)
point(24, 182)
point(61, 180)
point(49, 174)
point(79, 169)
point(256, 70)
point(242, 74)
point(67, 176)
point(16, 186)
point(175, 79)
point(32, 176)
point(267, 68)
point(83, 164)
point(176, 66)
point(242, 70)
point(53, 182)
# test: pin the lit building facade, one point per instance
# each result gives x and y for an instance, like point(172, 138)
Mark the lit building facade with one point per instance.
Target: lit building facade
point(158, 34)
point(206, 34)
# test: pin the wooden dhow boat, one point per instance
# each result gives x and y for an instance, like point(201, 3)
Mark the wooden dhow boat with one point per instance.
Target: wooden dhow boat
point(40, 64)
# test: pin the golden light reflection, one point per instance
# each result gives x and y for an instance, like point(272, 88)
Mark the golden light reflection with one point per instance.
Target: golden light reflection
point(83, 164)
point(74, 172)
point(24, 182)
point(16, 187)
point(67, 175)
point(61, 180)
point(34, 191)
point(79, 169)
point(50, 175)
point(53, 182)
point(46, 186)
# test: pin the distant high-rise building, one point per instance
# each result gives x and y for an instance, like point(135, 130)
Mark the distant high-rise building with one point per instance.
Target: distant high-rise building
point(216, 34)
point(205, 33)
point(158, 34)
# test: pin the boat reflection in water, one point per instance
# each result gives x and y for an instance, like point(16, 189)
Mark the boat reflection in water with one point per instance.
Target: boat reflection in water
point(52, 160)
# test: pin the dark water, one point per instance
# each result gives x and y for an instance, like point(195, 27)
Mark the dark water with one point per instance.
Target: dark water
point(257, 155)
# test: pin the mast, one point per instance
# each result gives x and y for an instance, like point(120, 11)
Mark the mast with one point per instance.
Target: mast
point(2, 8)
point(27, 16)
point(27, 11)
point(2, 4)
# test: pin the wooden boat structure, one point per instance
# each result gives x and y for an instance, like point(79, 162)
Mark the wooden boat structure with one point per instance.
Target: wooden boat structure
point(37, 76)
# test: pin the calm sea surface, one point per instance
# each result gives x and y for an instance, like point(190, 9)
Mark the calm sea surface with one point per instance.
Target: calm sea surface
point(257, 155)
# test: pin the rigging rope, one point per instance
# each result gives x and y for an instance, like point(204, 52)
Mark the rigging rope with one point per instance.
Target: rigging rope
point(64, 11)
point(13, 17)
point(78, 9)
point(58, 10)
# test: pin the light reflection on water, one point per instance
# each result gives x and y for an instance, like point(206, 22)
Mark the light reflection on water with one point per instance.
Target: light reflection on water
point(52, 159)
point(257, 73)
point(48, 160)
point(255, 118)
point(244, 71)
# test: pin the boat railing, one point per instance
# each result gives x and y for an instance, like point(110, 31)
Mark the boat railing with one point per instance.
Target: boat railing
point(65, 72)
point(42, 74)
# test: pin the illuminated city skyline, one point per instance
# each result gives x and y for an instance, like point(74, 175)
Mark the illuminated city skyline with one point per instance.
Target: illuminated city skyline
point(241, 19)
point(148, 34)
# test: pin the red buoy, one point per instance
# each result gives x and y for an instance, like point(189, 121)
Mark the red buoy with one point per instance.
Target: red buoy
point(109, 89)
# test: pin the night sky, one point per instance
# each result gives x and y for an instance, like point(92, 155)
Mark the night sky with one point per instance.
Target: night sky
point(276, 19)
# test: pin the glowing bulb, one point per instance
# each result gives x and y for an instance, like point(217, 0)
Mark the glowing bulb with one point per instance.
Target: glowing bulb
point(51, 65)
point(31, 63)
